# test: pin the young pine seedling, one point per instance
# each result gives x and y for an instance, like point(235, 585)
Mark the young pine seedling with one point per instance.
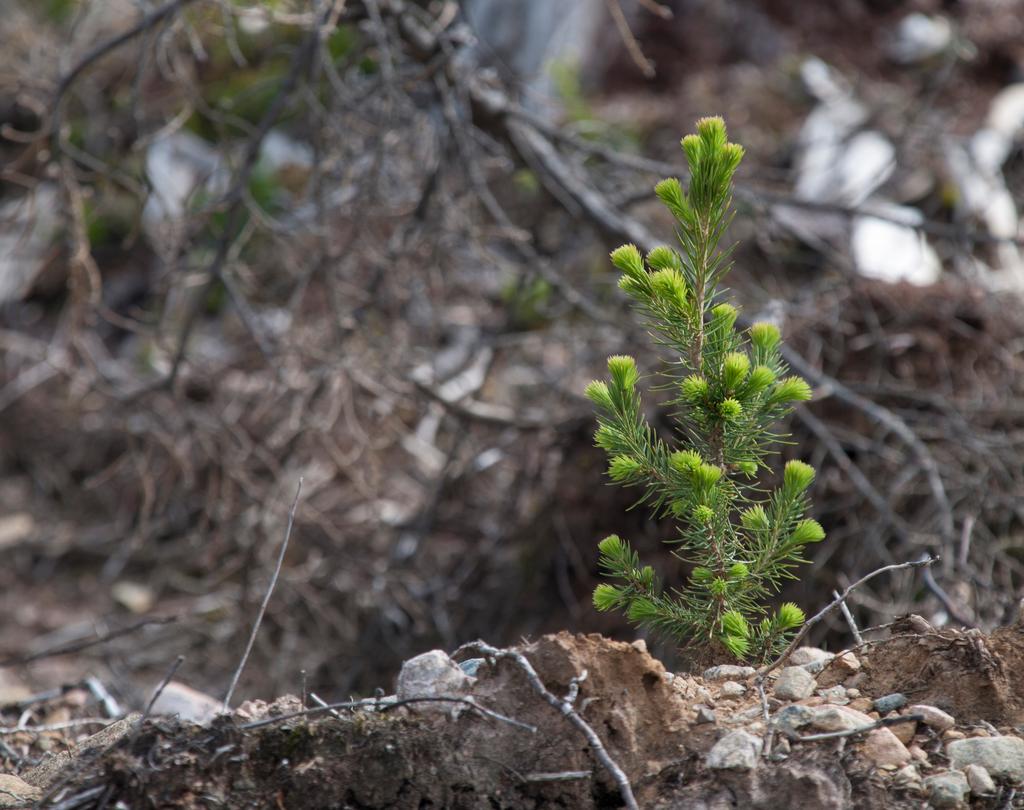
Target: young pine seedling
point(730, 389)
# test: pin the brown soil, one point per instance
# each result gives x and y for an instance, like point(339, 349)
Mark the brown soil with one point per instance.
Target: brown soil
point(974, 677)
point(646, 718)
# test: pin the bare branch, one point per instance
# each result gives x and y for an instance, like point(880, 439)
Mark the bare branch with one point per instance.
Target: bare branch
point(266, 600)
point(821, 614)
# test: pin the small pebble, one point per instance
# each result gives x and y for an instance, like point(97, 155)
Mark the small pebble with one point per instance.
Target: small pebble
point(933, 717)
point(794, 683)
point(980, 780)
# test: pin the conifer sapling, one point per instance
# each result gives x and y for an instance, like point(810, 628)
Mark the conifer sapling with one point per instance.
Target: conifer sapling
point(729, 388)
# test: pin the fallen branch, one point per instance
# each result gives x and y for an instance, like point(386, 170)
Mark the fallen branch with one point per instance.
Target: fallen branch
point(566, 709)
point(851, 732)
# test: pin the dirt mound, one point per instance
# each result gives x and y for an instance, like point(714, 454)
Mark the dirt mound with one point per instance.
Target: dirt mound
point(680, 740)
point(975, 677)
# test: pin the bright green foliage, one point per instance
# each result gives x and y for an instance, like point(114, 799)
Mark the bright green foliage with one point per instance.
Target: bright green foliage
point(731, 390)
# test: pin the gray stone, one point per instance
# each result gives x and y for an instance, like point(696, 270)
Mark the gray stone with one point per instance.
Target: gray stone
point(736, 751)
point(728, 672)
point(947, 790)
point(794, 683)
point(1002, 757)
point(933, 718)
point(432, 674)
point(704, 715)
point(980, 780)
point(793, 717)
point(890, 703)
point(731, 689)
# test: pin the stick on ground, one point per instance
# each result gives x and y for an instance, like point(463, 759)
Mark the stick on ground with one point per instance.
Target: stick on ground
point(266, 600)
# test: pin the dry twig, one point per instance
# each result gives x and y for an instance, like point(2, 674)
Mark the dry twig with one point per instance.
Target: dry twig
point(821, 614)
point(266, 599)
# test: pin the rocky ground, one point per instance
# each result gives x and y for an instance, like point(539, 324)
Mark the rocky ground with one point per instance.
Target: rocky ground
point(919, 718)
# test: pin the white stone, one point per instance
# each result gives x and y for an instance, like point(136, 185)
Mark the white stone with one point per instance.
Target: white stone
point(808, 655)
point(1006, 111)
point(839, 718)
point(432, 674)
point(728, 672)
point(794, 683)
point(890, 251)
point(736, 751)
point(1002, 757)
point(919, 37)
point(980, 780)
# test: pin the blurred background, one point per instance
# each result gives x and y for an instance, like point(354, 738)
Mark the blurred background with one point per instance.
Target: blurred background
point(364, 243)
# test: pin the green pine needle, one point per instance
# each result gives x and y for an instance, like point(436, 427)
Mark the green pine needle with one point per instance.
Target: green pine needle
point(732, 389)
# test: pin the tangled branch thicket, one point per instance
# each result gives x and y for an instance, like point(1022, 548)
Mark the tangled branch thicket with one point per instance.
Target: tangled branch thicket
point(370, 266)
